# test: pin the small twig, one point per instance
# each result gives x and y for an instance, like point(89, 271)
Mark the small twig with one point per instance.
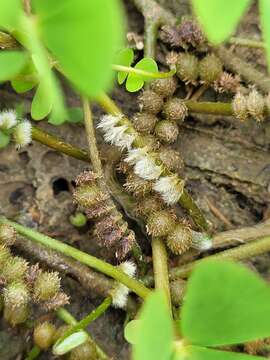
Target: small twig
point(199, 92)
point(80, 256)
point(150, 37)
point(218, 213)
point(241, 252)
point(160, 265)
point(245, 234)
point(247, 42)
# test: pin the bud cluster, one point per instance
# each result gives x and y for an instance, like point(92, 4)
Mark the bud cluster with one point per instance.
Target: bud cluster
point(253, 105)
point(110, 229)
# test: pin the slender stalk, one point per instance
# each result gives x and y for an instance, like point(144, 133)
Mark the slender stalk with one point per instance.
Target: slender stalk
point(186, 200)
point(150, 37)
point(160, 265)
point(241, 252)
point(91, 137)
point(58, 144)
point(93, 315)
point(247, 42)
point(33, 353)
point(64, 315)
point(157, 75)
point(81, 256)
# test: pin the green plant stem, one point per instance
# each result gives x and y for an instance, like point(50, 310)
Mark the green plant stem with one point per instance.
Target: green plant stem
point(157, 75)
point(64, 315)
point(91, 138)
point(81, 256)
point(82, 324)
point(150, 36)
point(214, 108)
point(58, 144)
point(152, 10)
point(33, 353)
point(160, 266)
point(186, 200)
point(241, 252)
point(247, 42)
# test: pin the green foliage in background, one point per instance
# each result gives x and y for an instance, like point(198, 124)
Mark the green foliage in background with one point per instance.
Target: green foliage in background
point(225, 304)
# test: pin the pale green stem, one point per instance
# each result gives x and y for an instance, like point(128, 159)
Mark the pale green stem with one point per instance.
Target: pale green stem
point(33, 353)
point(247, 42)
point(81, 256)
point(157, 75)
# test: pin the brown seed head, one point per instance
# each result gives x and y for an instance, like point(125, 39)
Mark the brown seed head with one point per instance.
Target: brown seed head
point(144, 122)
point(239, 105)
point(150, 102)
point(164, 87)
point(210, 69)
point(180, 239)
point(175, 109)
point(187, 68)
point(160, 223)
point(255, 105)
point(167, 131)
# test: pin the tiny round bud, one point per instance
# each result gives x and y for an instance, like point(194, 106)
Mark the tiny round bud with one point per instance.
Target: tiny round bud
point(150, 102)
point(7, 235)
point(137, 186)
point(8, 119)
point(180, 239)
point(78, 219)
point(239, 105)
point(167, 131)
point(164, 87)
point(177, 288)
point(16, 316)
point(15, 268)
point(175, 109)
point(144, 122)
point(88, 195)
point(210, 68)
point(16, 295)
point(171, 159)
point(86, 351)
point(147, 206)
point(160, 223)
point(187, 67)
point(22, 134)
point(255, 105)
point(44, 335)
point(227, 83)
point(46, 286)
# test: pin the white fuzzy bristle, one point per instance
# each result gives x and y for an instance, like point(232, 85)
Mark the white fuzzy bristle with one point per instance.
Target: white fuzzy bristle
point(8, 119)
point(22, 134)
point(147, 169)
point(135, 155)
point(107, 122)
point(201, 241)
point(128, 267)
point(170, 188)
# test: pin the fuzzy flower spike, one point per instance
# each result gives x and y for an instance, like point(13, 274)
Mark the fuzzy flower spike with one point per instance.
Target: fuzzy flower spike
point(23, 134)
point(170, 188)
point(8, 119)
point(115, 133)
point(120, 292)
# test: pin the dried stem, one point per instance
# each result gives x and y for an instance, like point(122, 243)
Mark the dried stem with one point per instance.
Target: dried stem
point(247, 42)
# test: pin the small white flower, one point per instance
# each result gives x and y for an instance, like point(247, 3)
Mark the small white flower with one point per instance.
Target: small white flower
point(8, 119)
point(22, 134)
point(107, 122)
point(147, 169)
point(120, 292)
point(170, 188)
point(135, 155)
point(201, 241)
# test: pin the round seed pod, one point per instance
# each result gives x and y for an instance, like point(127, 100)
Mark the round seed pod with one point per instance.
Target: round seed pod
point(16, 316)
point(150, 102)
point(210, 68)
point(255, 105)
point(15, 268)
point(5, 255)
point(7, 235)
point(78, 219)
point(164, 87)
point(86, 351)
point(175, 109)
point(137, 186)
point(88, 195)
point(167, 131)
point(16, 295)
point(187, 68)
point(144, 122)
point(239, 105)
point(46, 286)
point(147, 206)
point(171, 159)
point(44, 335)
point(177, 288)
point(160, 223)
point(180, 239)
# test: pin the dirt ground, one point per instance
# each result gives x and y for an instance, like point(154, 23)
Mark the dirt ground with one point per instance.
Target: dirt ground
point(227, 170)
